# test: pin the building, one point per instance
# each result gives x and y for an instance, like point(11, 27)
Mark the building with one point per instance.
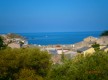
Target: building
point(70, 54)
point(52, 51)
point(90, 39)
point(105, 49)
point(81, 44)
point(87, 42)
point(86, 50)
point(60, 51)
point(103, 40)
point(102, 46)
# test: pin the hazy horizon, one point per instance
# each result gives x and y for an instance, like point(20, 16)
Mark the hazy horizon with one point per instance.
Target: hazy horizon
point(51, 32)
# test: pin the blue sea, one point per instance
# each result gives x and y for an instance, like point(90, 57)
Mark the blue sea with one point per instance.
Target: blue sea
point(52, 38)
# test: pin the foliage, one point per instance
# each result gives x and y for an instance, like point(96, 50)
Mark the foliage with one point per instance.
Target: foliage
point(62, 57)
point(1, 42)
point(27, 74)
point(33, 64)
point(91, 67)
point(105, 33)
point(2, 45)
point(96, 46)
point(24, 64)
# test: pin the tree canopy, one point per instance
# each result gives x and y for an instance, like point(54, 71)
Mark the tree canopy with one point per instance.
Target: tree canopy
point(2, 45)
point(24, 64)
point(33, 64)
point(105, 33)
point(96, 46)
point(90, 67)
point(1, 42)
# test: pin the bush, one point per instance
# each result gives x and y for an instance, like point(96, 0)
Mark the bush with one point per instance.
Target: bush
point(105, 33)
point(96, 46)
point(27, 74)
point(15, 62)
point(91, 67)
point(2, 45)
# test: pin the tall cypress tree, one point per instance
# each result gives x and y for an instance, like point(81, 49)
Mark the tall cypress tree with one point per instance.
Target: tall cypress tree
point(1, 43)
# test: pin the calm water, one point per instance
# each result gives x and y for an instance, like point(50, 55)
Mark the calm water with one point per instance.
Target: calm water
point(58, 37)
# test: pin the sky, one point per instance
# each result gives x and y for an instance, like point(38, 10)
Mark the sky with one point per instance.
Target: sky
point(26, 16)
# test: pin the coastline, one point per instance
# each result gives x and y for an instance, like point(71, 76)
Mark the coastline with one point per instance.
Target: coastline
point(58, 38)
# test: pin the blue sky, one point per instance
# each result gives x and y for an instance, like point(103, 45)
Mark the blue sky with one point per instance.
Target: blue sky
point(53, 15)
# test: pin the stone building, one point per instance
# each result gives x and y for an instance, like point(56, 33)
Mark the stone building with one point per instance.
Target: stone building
point(103, 40)
point(90, 39)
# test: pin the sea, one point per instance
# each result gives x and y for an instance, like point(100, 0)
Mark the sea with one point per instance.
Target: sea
point(58, 38)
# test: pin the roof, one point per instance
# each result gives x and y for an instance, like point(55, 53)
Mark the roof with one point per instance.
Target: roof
point(104, 48)
point(81, 44)
point(83, 49)
point(54, 52)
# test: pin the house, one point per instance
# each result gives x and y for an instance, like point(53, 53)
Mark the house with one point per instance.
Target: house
point(52, 51)
point(87, 42)
point(81, 44)
point(103, 40)
point(90, 39)
point(70, 54)
point(58, 47)
point(86, 50)
point(14, 45)
point(102, 46)
point(105, 49)
point(60, 51)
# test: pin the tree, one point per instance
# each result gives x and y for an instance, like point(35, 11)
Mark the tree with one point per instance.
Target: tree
point(1, 42)
point(24, 64)
point(62, 57)
point(90, 67)
point(27, 74)
point(2, 45)
point(96, 46)
point(105, 33)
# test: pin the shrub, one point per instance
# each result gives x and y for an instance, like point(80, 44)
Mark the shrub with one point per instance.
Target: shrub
point(105, 33)
point(15, 62)
point(91, 67)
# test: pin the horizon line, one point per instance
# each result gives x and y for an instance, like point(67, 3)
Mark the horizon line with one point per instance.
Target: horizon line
point(51, 32)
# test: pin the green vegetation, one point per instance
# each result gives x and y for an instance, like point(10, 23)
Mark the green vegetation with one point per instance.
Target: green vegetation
point(24, 64)
point(105, 33)
point(33, 64)
point(1, 42)
point(62, 57)
point(91, 67)
point(96, 46)
point(2, 45)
